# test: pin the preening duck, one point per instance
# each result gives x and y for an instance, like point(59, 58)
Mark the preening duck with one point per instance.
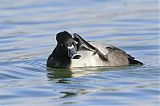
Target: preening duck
point(71, 52)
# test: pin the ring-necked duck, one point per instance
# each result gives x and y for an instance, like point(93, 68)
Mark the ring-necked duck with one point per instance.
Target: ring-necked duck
point(74, 51)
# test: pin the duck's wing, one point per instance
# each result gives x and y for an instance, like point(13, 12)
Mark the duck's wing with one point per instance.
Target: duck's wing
point(131, 59)
point(111, 47)
point(84, 44)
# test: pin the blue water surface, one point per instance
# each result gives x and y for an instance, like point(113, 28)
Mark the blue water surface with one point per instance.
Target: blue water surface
point(27, 37)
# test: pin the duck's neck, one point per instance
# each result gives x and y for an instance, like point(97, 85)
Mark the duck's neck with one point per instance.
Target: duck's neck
point(60, 51)
point(61, 58)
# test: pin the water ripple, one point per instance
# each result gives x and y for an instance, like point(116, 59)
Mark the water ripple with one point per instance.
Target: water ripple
point(27, 38)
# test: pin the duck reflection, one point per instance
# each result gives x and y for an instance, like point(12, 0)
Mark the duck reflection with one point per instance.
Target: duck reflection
point(68, 94)
point(74, 87)
point(68, 73)
point(58, 73)
point(63, 74)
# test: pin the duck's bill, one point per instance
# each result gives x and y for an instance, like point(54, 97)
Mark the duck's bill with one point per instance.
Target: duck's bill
point(72, 53)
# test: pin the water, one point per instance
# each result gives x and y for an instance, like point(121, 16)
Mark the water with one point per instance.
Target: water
point(27, 37)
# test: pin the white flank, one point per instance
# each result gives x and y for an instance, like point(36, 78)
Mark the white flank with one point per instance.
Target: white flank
point(89, 59)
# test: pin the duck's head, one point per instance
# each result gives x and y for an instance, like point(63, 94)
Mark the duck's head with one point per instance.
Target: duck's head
point(66, 45)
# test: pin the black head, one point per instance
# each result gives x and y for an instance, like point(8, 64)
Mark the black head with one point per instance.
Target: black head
point(66, 45)
point(63, 36)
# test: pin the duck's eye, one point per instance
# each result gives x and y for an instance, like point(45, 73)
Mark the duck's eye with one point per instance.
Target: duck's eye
point(69, 45)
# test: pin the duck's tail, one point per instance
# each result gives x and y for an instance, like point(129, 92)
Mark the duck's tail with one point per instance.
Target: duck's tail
point(134, 62)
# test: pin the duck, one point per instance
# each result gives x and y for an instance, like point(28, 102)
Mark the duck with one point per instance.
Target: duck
point(73, 52)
